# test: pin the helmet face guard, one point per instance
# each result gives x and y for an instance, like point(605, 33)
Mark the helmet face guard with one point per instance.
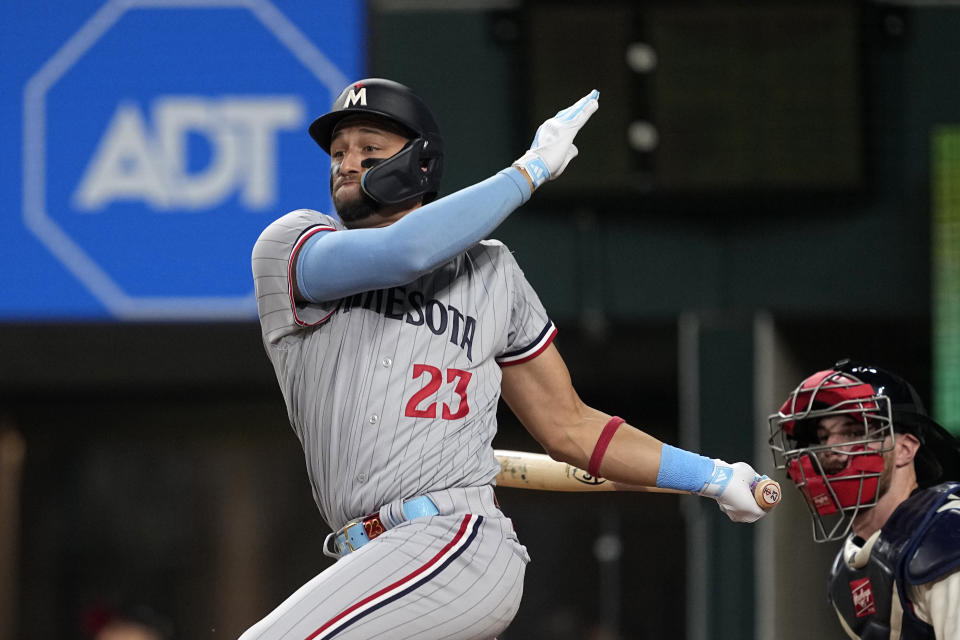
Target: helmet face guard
point(834, 497)
point(404, 175)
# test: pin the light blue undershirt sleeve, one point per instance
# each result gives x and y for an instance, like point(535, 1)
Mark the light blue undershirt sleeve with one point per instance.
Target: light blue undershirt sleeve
point(335, 264)
point(680, 469)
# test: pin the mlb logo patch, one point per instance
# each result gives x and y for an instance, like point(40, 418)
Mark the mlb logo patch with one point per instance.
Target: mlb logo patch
point(862, 594)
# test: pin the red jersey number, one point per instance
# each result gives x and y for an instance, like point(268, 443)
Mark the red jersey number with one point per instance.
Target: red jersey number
point(458, 377)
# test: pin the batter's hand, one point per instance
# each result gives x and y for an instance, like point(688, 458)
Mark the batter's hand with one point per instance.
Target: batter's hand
point(552, 148)
point(732, 487)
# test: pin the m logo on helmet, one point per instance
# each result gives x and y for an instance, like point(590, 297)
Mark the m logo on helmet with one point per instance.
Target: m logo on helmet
point(355, 96)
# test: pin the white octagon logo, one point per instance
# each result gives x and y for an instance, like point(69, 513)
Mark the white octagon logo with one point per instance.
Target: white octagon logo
point(69, 252)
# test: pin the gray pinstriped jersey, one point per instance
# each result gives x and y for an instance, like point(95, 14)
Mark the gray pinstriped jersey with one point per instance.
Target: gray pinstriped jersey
point(393, 393)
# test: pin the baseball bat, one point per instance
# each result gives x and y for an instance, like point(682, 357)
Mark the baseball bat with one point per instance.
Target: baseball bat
point(527, 470)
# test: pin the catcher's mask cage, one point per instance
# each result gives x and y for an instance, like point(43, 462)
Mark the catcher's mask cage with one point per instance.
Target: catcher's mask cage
point(413, 171)
point(834, 499)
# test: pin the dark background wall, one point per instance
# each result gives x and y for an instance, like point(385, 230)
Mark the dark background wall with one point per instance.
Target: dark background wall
point(159, 464)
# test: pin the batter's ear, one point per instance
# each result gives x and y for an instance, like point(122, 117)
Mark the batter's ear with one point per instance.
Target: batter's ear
point(905, 449)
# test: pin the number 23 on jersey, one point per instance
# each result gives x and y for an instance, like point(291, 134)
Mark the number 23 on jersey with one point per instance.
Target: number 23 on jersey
point(418, 405)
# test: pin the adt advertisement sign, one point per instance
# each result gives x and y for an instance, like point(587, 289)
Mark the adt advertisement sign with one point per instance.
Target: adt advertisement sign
point(147, 143)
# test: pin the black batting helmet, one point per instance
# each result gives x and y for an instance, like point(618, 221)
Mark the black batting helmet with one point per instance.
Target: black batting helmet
point(417, 168)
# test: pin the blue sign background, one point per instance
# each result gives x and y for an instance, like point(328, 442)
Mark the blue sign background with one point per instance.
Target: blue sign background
point(232, 86)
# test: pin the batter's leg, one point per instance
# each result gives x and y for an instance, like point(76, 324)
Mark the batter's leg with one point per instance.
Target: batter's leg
point(450, 577)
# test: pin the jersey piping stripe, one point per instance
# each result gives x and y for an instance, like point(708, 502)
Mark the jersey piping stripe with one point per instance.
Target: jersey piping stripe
point(532, 350)
point(309, 233)
point(464, 536)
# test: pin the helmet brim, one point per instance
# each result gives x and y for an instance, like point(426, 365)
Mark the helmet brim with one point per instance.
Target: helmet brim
point(323, 128)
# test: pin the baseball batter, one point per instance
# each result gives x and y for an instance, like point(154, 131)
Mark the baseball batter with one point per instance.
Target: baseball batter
point(393, 330)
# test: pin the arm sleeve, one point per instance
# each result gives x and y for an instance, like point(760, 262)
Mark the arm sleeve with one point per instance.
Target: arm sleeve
point(279, 313)
point(337, 264)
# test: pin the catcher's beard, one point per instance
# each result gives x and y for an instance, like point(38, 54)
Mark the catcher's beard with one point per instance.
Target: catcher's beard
point(833, 463)
point(886, 475)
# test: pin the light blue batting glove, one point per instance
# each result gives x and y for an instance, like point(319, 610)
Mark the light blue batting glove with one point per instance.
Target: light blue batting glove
point(731, 485)
point(552, 148)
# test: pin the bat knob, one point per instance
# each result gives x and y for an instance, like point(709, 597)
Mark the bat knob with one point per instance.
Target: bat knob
point(767, 494)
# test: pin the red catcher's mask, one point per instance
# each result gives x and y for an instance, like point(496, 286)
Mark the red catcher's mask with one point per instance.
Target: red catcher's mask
point(833, 499)
point(855, 486)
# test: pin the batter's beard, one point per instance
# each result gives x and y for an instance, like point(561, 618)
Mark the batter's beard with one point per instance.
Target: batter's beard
point(356, 209)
